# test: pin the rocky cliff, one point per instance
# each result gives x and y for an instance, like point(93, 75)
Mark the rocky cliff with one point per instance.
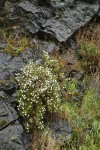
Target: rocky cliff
point(50, 24)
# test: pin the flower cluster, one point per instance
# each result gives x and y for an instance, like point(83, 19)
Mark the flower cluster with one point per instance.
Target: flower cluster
point(40, 91)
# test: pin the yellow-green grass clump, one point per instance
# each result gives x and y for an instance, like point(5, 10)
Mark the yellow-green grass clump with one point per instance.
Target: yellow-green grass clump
point(15, 44)
point(85, 121)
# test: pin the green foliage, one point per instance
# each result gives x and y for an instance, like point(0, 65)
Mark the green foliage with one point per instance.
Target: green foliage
point(90, 54)
point(85, 122)
point(72, 92)
point(71, 85)
point(40, 91)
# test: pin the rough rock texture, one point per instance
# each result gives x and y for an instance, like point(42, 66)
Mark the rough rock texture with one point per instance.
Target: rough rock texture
point(44, 2)
point(61, 130)
point(2, 45)
point(2, 3)
point(62, 25)
point(10, 128)
point(47, 20)
point(70, 2)
point(9, 66)
point(58, 22)
point(98, 15)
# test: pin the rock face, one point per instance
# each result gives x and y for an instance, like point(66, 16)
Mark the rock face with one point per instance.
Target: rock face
point(44, 2)
point(60, 21)
point(63, 28)
point(10, 128)
point(2, 3)
point(98, 15)
point(61, 130)
point(70, 2)
point(60, 26)
point(9, 66)
point(47, 20)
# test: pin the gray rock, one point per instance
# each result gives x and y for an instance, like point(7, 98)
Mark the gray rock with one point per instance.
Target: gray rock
point(2, 95)
point(8, 86)
point(44, 21)
point(59, 6)
point(98, 15)
point(61, 130)
point(51, 47)
point(7, 113)
point(41, 19)
point(10, 137)
point(32, 27)
point(77, 74)
point(44, 2)
point(71, 21)
point(16, 63)
point(70, 2)
point(2, 45)
point(48, 46)
point(59, 24)
point(5, 74)
point(2, 3)
point(89, 1)
point(10, 128)
point(38, 14)
point(9, 66)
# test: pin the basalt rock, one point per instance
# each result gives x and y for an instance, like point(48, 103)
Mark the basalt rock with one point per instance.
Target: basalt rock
point(2, 3)
point(47, 23)
point(70, 3)
point(10, 128)
point(61, 26)
point(9, 66)
point(47, 20)
point(89, 1)
point(44, 2)
point(70, 21)
point(2, 45)
point(98, 15)
point(58, 22)
point(61, 130)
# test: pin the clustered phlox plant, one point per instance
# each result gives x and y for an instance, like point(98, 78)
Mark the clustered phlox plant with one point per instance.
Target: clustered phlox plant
point(40, 91)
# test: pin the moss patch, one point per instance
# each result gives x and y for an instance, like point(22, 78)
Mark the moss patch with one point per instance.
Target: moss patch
point(3, 123)
point(15, 43)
